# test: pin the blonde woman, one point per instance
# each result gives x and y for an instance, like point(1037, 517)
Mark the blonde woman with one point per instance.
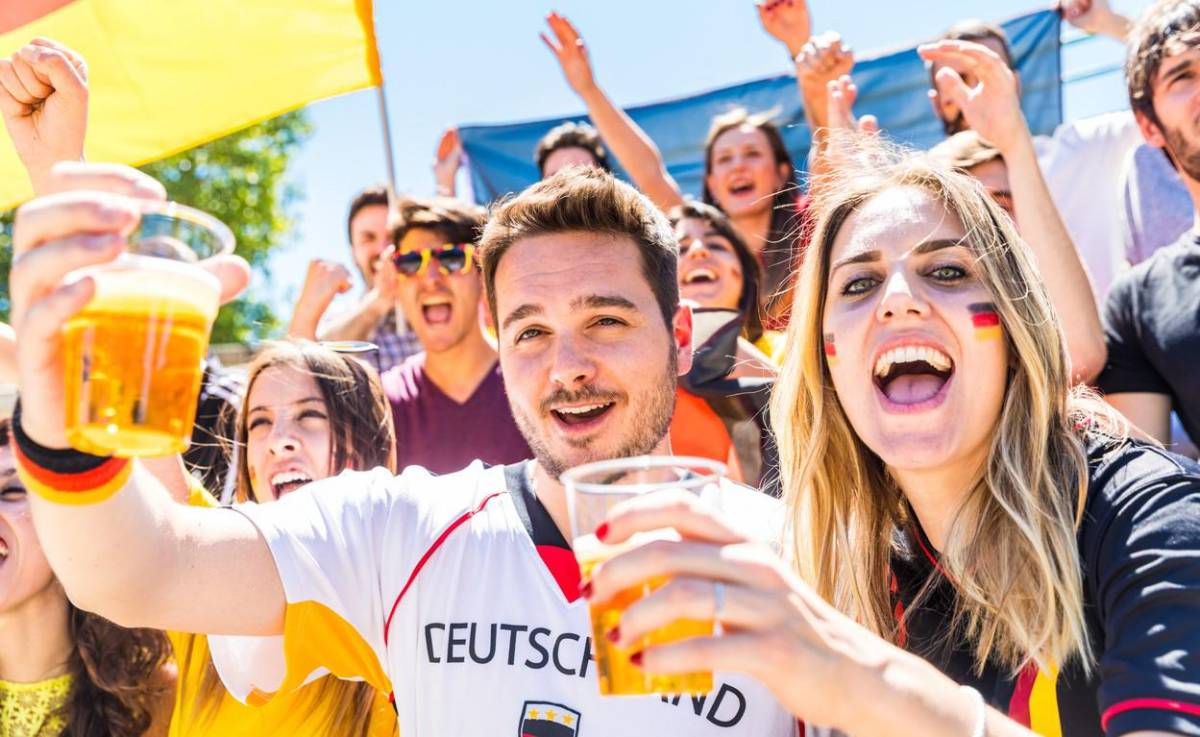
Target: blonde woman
point(978, 548)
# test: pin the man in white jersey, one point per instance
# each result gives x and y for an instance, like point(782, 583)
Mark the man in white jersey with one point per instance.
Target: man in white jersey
point(457, 594)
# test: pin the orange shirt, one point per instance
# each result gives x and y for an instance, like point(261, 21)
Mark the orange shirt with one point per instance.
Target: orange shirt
point(697, 431)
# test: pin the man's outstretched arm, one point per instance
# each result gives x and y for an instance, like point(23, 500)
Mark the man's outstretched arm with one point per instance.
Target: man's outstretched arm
point(135, 557)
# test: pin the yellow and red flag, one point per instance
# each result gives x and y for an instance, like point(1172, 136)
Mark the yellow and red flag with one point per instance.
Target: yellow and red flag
point(167, 75)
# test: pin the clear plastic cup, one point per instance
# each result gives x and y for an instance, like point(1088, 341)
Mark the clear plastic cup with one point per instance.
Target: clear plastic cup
point(592, 490)
point(133, 357)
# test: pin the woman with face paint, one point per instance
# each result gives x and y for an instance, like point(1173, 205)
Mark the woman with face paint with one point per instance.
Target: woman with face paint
point(975, 546)
point(63, 670)
point(309, 413)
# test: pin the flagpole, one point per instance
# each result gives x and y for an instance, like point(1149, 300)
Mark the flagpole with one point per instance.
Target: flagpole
point(390, 162)
point(385, 124)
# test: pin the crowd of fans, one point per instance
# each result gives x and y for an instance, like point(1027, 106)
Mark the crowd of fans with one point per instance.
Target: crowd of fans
point(953, 389)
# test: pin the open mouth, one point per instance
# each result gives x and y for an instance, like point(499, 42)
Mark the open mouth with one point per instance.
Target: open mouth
point(700, 275)
point(912, 375)
point(741, 187)
point(582, 415)
point(288, 481)
point(437, 310)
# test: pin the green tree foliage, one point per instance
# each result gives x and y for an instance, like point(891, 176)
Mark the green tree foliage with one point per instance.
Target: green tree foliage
point(239, 180)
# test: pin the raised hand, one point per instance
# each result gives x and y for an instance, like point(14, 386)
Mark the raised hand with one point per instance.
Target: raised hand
point(568, 47)
point(843, 93)
point(85, 223)
point(775, 628)
point(1095, 16)
point(834, 143)
point(324, 281)
point(789, 21)
point(992, 107)
point(44, 99)
point(446, 161)
point(823, 58)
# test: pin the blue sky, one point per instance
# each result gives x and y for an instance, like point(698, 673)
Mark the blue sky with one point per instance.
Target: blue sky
point(448, 63)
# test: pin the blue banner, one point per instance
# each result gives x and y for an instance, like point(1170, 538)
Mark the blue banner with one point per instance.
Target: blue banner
point(892, 86)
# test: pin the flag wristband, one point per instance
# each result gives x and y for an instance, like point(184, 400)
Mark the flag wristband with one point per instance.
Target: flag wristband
point(65, 475)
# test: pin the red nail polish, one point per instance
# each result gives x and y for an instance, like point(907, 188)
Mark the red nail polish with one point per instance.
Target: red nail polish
point(636, 658)
point(602, 531)
point(585, 589)
point(613, 634)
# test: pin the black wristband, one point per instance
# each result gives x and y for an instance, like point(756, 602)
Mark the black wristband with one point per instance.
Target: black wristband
point(57, 460)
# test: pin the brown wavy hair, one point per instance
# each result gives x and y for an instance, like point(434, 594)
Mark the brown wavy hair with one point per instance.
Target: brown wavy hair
point(364, 437)
point(116, 677)
point(116, 672)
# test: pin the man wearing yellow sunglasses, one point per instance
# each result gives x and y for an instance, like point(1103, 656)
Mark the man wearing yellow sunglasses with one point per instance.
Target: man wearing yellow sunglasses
point(448, 402)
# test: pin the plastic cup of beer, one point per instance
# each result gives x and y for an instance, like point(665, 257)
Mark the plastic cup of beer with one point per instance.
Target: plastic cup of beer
point(134, 355)
point(592, 490)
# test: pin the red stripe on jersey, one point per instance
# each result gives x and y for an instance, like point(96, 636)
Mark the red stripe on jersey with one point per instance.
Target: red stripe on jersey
point(563, 566)
point(428, 553)
point(1129, 705)
point(1018, 705)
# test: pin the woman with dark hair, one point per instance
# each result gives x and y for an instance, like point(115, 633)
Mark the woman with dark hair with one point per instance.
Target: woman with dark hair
point(716, 268)
point(720, 401)
point(308, 413)
point(64, 671)
point(748, 172)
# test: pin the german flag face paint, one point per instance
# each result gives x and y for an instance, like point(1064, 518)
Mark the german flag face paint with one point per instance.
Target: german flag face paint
point(986, 320)
point(830, 350)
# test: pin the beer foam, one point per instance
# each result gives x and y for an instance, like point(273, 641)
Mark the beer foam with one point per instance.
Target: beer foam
point(137, 284)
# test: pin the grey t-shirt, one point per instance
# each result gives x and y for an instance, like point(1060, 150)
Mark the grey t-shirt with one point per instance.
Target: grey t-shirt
point(1152, 327)
point(1158, 208)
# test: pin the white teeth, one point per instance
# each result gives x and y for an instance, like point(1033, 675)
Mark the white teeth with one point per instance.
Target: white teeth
point(582, 410)
point(288, 477)
point(909, 354)
point(695, 274)
point(435, 301)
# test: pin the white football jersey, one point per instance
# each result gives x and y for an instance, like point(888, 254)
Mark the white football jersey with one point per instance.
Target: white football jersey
point(458, 595)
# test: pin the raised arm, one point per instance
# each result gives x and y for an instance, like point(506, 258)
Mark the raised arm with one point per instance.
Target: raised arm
point(44, 99)
point(993, 109)
point(629, 143)
point(135, 557)
point(1096, 16)
point(361, 320)
point(324, 281)
point(446, 162)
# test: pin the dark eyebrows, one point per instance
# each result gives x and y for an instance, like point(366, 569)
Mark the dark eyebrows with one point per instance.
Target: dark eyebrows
point(920, 249)
point(592, 301)
point(522, 312)
point(858, 258)
point(931, 246)
point(263, 408)
point(602, 301)
point(1180, 66)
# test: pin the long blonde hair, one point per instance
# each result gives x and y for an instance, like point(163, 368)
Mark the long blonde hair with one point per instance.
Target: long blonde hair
point(1011, 551)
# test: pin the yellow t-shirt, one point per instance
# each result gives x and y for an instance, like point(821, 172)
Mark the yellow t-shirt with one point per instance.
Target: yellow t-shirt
point(297, 713)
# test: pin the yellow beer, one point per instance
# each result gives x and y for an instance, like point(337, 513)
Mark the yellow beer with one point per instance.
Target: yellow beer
point(134, 356)
point(616, 674)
